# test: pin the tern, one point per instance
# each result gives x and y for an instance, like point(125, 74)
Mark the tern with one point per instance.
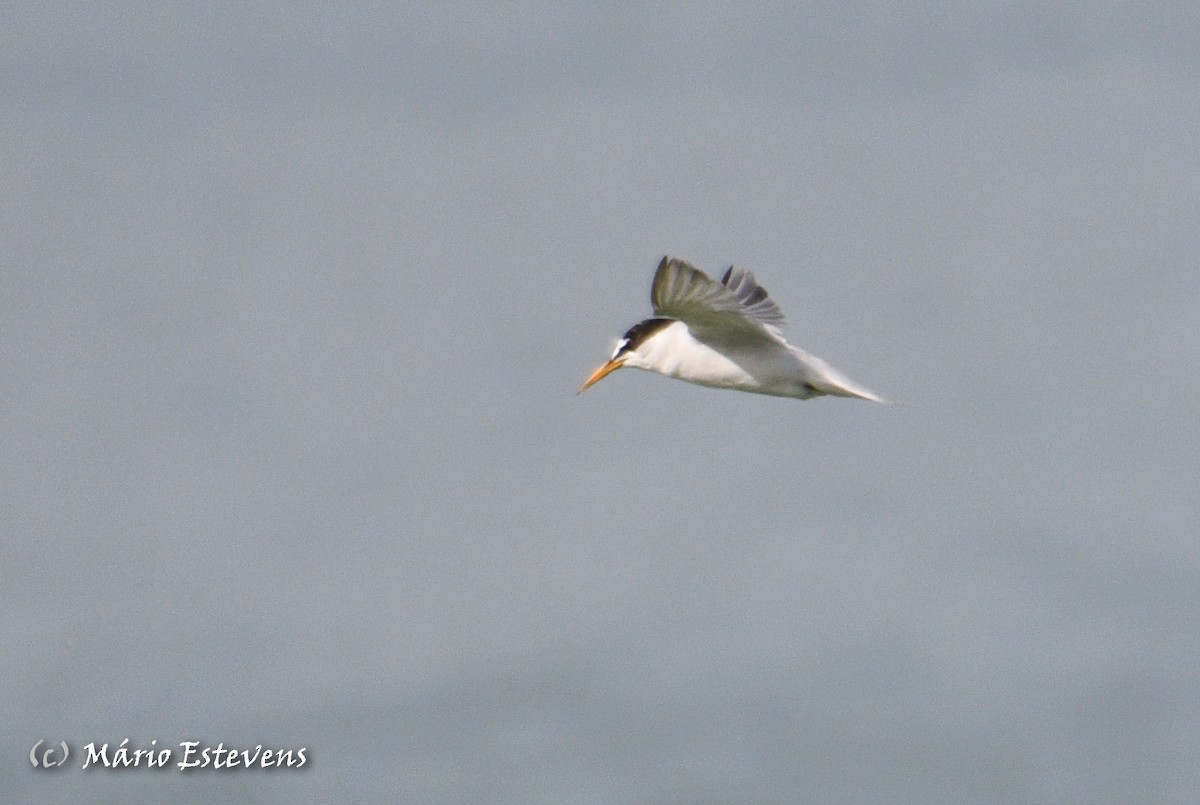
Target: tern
point(725, 335)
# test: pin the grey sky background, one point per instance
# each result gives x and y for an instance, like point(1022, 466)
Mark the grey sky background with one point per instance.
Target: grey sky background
point(296, 301)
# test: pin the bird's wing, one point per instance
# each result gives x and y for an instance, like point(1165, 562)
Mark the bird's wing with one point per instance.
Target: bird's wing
point(753, 297)
point(737, 309)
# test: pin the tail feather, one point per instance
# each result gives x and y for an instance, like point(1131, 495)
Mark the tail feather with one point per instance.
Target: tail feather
point(848, 389)
point(830, 381)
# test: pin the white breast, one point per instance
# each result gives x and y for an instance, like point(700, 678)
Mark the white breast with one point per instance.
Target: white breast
point(765, 368)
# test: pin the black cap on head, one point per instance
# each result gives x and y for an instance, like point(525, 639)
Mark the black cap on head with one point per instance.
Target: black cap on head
point(638, 333)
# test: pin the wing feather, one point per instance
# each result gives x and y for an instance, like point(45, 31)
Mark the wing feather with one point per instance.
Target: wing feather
point(752, 296)
point(734, 310)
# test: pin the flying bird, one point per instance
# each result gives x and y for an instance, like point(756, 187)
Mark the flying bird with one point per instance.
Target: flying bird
point(725, 335)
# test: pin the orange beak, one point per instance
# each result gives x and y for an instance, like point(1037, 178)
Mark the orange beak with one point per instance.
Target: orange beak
point(601, 373)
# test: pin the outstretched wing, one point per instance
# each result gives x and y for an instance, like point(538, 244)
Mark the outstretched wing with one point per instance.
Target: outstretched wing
point(736, 310)
point(753, 297)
